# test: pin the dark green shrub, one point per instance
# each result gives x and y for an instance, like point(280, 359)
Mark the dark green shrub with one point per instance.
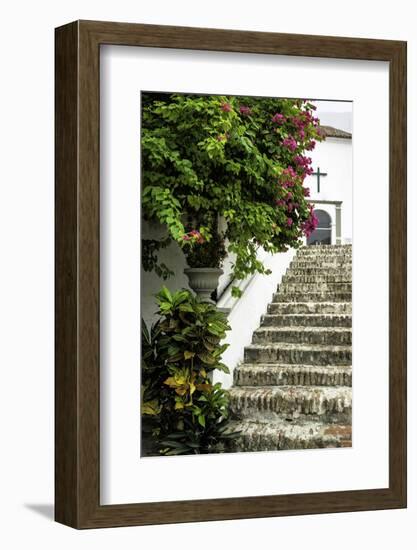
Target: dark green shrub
point(181, 407)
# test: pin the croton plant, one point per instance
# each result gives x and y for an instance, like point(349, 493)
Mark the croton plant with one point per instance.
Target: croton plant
point(183, 411)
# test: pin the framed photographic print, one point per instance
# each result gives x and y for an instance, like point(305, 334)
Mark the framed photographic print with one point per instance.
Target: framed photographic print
point(230, 274)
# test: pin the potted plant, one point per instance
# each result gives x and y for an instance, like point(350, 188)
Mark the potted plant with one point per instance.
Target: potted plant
point(204, 258)
point(239, 158)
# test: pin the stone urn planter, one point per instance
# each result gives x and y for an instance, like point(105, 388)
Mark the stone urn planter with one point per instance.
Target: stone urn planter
point(203, 280)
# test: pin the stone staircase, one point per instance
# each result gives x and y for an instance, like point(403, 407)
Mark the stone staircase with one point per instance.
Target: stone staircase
point(294, 388)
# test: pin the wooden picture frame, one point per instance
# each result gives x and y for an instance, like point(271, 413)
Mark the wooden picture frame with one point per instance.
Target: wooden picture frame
point(77, 405)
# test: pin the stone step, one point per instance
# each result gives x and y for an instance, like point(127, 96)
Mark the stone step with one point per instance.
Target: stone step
point(296, 278)
point(305, 320)
point(309, 308)
point(279, 436)
point(319, 258)
point(298, 354)
point(319, 271)
point(320, 403)
point(330, 250)
point(323, 264)
point(312, 297)
point(308, 288)
point(291, 375)
point(336, 336)
point(326, 246)
point(302, 252)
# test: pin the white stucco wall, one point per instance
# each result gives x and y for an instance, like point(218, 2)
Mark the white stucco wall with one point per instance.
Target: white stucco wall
point(246, 312)
point(334, 156)
point(173, 257)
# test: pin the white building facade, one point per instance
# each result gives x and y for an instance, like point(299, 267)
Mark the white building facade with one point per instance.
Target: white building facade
point(331, 187)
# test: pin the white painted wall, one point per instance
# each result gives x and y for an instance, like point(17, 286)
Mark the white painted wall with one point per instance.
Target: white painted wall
point(247, 311)
point(173, 257)
point(26, 289)
point(334, 156)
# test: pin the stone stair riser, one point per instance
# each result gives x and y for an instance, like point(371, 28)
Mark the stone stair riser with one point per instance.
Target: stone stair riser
point(285, 405)
point(322, 264)
point(307, 288)
point(292, 376)
point(312, 297)
point(306, 320)
point(312, 271)
point(332, 250)
point(323, 254)
point(268, 437)
point(268, 336)
point(259, 442)
point(264, 354)
point(316, 279)
point(308, 308)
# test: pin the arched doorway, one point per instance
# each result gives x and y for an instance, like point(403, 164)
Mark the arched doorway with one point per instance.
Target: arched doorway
point(323, 233)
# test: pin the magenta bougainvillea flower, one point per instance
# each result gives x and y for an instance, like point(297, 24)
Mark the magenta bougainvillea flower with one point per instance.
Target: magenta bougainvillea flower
point(290, 143)
point(311, 223)
point(194, 236)
point(244, 110)
point(278, 118)
point(290, 172)
point(226, 107)
point(303, 164)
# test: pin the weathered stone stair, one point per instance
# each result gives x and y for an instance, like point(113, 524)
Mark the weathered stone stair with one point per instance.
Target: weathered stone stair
point(293, 390)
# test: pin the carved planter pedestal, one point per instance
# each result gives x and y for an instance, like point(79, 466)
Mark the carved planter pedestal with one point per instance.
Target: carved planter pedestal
point(203, 280)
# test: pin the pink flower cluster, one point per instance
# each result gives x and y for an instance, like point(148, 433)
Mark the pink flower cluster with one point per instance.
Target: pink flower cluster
point(226, 107)
point(279, 119)
point(289, 177)
point(304, 164)
point(245, 110)
point(194, 236)
point(290, 143)
point(311, 224)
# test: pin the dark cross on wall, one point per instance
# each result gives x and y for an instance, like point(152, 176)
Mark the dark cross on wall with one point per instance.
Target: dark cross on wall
point(319, 174)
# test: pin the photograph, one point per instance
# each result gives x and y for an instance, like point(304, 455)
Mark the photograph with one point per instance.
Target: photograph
point(208, 263)
point(246, 281)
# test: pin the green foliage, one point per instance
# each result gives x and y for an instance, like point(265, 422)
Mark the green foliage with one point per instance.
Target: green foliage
point(210, 156)
point(150, 249)
point(187, 413)
point(208, 253)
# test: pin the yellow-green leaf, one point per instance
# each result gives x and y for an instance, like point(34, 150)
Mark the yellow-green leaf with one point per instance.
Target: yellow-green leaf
point(151, 407)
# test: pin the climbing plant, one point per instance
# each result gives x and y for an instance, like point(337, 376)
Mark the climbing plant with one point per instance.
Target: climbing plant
point(183, 410)
point(239, 159)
